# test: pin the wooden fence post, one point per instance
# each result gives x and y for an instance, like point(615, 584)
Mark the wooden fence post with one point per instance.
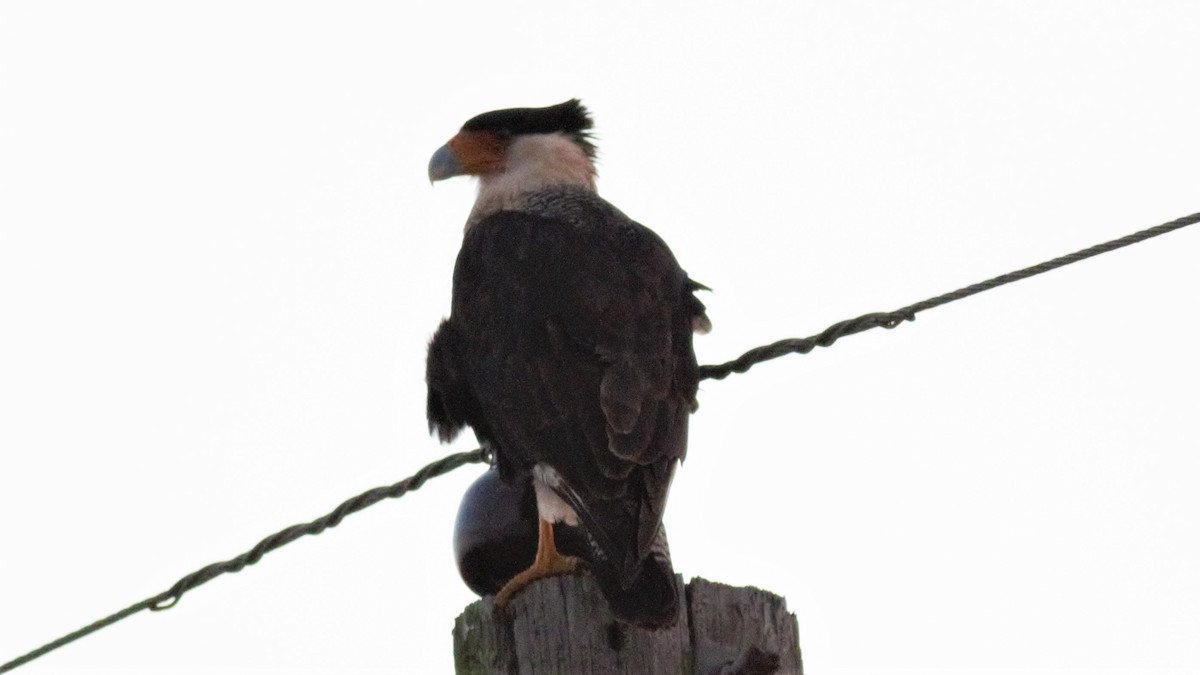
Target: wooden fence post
point(562, 626)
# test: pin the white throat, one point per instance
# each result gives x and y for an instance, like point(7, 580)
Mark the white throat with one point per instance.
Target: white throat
point(532, 162)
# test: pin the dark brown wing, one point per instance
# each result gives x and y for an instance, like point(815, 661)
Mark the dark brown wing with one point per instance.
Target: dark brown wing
point(570, 343)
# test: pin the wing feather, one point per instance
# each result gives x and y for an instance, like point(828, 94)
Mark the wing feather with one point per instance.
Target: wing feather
point(569, 343)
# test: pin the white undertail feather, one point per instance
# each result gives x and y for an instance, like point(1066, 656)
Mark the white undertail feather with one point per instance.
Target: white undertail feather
point(550, 506)
point(533, 161)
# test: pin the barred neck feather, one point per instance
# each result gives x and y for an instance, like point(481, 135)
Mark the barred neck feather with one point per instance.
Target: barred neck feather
point(533, 162)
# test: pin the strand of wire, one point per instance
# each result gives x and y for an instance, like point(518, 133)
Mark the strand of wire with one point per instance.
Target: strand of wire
point(171, 596)
point(894, 318)
point(825, 338)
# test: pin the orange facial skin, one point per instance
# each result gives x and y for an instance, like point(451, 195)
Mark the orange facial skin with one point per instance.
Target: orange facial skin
point(478, 152)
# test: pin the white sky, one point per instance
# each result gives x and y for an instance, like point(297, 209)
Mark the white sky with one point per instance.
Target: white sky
point(222, 262)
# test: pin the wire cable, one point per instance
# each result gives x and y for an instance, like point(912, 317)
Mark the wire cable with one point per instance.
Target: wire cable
point(892, 319)
point(825, 338)
point(171, 596)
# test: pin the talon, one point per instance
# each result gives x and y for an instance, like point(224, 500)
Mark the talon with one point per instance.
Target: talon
point(548, 562)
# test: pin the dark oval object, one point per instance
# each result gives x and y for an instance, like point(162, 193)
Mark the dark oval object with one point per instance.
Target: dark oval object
point(496, 532)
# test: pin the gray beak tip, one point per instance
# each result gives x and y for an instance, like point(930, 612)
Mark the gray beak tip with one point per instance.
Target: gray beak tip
point(443, 165)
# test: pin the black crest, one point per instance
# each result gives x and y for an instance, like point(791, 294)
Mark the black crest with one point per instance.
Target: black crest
point(569, 117)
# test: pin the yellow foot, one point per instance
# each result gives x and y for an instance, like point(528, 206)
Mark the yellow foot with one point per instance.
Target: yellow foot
point(547, 563)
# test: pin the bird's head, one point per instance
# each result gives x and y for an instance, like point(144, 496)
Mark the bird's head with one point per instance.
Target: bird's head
point(520, 149)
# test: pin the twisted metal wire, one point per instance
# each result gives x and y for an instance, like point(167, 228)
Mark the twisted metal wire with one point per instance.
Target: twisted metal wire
point(825, 338)
point(892, 319)
point(171, 596)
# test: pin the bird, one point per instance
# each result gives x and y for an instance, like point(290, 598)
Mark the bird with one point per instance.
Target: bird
point(568, 351)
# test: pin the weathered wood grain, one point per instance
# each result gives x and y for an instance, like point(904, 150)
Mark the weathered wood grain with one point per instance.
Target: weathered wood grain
point(729, 622)
point(562, 626)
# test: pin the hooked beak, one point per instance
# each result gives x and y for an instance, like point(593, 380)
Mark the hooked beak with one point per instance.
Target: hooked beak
point(444, 164)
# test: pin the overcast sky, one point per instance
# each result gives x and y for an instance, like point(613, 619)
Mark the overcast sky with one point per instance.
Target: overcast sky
point(222, 262)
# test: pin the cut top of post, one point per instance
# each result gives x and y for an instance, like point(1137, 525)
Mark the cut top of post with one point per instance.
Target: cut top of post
point(562, 626)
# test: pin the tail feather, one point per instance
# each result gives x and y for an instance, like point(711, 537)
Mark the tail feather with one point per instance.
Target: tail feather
point(651, 598)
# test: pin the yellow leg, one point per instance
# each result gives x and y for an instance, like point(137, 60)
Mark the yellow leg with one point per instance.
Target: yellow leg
point(547, 563)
